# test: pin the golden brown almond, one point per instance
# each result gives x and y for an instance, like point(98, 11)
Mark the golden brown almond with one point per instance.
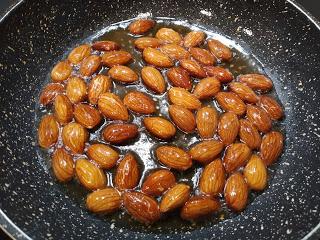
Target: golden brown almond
point(158, 182)
point(175, 197)
point(256, 82)
point(193, 68)
point(145, 42)
point(249, 134)
point(183, 98)
point(98, 85)
point(207, 122)
point(79, 53)
point(141, 207)
point(183, 118)
point(119, 133)
point(168, 35)
point(219, 50)
point(127, 174)
point(271, 147)
point(61, 71)
point(259, 118)
point(105, 46)
point(206, 151)
point(86, 115)
point(123, 74)
point(244, 92)
point(236, 156)
point(255, 173)
point(74, 136)
point(90, 65)
point(48, 131)
point(141, 26)
point(112, 107)
point(89, 175)
point(231, 102)
point(213, 178)
point(103, 154)
point(207, 88)
point(106, 200)
point(157, 58)
point(117, 57)
point(272, 107)
point(50, 92)
point(175, 51)
point(63, 110)
point(203, 56)
point(139, 102)
point(76, 89)
point(179, 77)
point(174, 157)
point(193, 39)
point(228, 127)
point(159, 127)
point(62, 165)
point(222, 74)
point(236, 192)
point(153, 79)
point(199, 206)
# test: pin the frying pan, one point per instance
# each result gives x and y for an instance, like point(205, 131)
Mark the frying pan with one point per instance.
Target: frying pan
point(282, 36)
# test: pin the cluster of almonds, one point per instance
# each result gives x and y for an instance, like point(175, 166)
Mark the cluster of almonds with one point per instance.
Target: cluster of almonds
point(78, 107)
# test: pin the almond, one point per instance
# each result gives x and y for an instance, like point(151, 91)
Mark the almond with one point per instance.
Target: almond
point(158, 182)
point(219, 50)
point(98, 85)
point(228, 127)
point(89, 175)
point(203, 56)
point(168, 35)
point(141, 207)
point(236, 192)
point(174, 157)
point(153, 79)
point(222, 74)
point(255, 173)
point(199, 206)
point(74, 136)
point(90, 65)
point(175, 197)
point(104, 155)
point(174, 51)
point(213, 178)
point(156, 58)
point(207, 121)
point(50, 92)
point(61, 71)
point(259, 118)
point(256, 82)
point(272, 107)
point(244, 92)
point(48, 131)
point(249, 134)
point(183, 118)
point(86, 115)
point(193, 39)
point(62, 165)
point(106, 200)
point(231, 102)
point(207, 88)
point(112, 107)
point(236, 156)
point(145, 42)
point(193, 68)
point(127, 174)
point(118, 57)
point(179, 77)
point(141, 26)
point(183, 98)
point(139, 102)
point(206, 151)
point(63, 110)
point(271, 147)
point(76, 89)
point(123, 74)
point(79, 53)
point(119, 133)
point(105, 46)
point(159, 127)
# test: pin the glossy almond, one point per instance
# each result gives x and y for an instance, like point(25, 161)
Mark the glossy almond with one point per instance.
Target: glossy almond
point(86, 115)
point(207, 122)
point(236, 192)
point(127, 174)
point(219, 50)
point(76, 90)
point(105, 156)
point(106, 200)
point(118, 133)
point(255, 173)
point(175, 51)
point(236, 156)
point(222, 74)
point(48, 131)
point(271, 147)
point(256, 81)
point(105, 46)
point(117, 57)
point(158, 182)
point(183, 118)
point(174, 157)
point(207, 88)
point(50, 92)
point(141, 207)
point(63, 110)
point(156, 58)
point(193, 39)
point(272, 107)
point(193, 67)
point(123, 74)
point(203, 56)
point(168, 35)
point(179, 77)
point(228, 127)
point(259, 118)
point(145, 42)
point(112, 107)
point(183, 98)
point(74, 136)
point(244, 92)
point(89, 175)
point(206, 151)
point(141, 26)
point(62, 165)
point(153, 79)
point(159, 127)
point(231, 102)
point(98, 85)
point(79, 53)
point(175, 197)
point(139, 102)
point(249, 134)
point(61, 71)
point(90, 65)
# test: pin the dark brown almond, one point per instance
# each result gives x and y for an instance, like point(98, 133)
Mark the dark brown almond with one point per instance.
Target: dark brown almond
point(158, 182)
point(259, 118)
point(179, 77)
point(203, 56)
point(236, 156)
point(86, 115)
point(249, 134)
point(183, 118)
point(193, 68)
point(231, 102)
point(272, 107)
point(141, 26)
point(271, 147)
point(49, 93)
point(139, 102)
point(219, 50)
point(118, 57)
point(256, 82)
point(222, 74)
point(228, 127)
point(244, 92)
point(105, 46)
point(207, 88)
point(119, 133)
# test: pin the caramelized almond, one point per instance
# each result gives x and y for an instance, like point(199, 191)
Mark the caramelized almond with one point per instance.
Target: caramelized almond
point(86, 115)
point(222, 74)
point(158, 182)
point(76, 89)
point(244, 92)
point(153, 79)
point(90, 65)
point(175, 197)
point(112, 107)
point(272, 107)
point(183, 98)
point(236, 156)
point(231, 102)
point(256, 81)
point(255, 173)
point(228, 127)
point(145, 42)
point(207, 88)
point(183, 118)
point(193, 68)
point(249, 134)
point(207, 121)
point(159, 127)
point(63, 110)
point(98, 85)
point(50, 92)
point(203, 56)
point(61, 71)
point(193, 39)
point(79, 53)
point(123, 74)
point(118, 57)
point(141, 26)
point(219, 50)
point(62, 165)
point(119, 133)
point(106, 200)
point(105, 46)
point(48, 131)
point(174, 51)
point(168, 35)
point(156, 57)
point(174, 157)
point(127, 175)
point(104, 155)
point(206, 151)
point(74, 136)
point(139, 102)
point(259, 118)
point(271, 147)
point(179, 77)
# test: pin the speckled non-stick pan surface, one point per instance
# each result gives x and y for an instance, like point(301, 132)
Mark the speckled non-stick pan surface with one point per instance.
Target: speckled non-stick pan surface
point(36, 33)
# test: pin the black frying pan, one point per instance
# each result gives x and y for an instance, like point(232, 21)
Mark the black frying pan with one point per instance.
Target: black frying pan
point(36, 33)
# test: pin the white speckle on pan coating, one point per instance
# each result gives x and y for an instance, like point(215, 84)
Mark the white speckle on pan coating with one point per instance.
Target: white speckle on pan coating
point(206, 12)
